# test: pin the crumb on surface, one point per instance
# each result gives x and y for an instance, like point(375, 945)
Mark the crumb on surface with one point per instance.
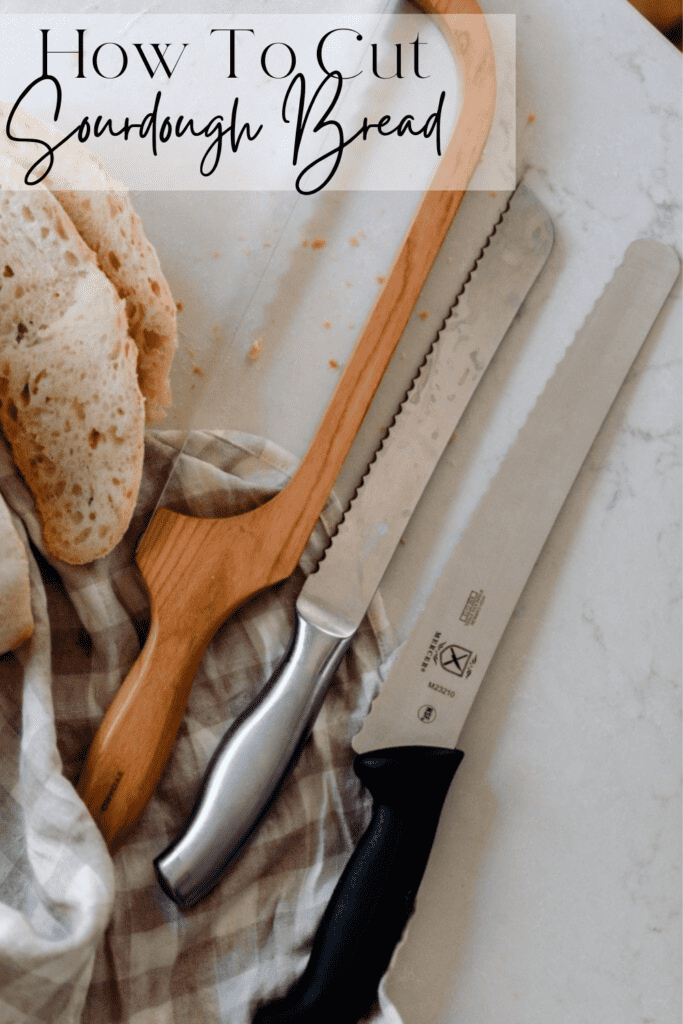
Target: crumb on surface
point(197, 371)
point(318, 243)
point(327, 325)
point(424, 314)
point(267, 245)
point(532, 118)
point(353, 241)
point(216, 254)
point(255, 350)
point(179, 306)
point(379, 279)
point(334, 364)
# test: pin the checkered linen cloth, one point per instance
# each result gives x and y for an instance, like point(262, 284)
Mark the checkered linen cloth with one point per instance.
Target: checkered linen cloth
point(90, 939)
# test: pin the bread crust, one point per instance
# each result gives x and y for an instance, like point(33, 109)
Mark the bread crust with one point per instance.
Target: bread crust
point(112, 229)
point(16, 617)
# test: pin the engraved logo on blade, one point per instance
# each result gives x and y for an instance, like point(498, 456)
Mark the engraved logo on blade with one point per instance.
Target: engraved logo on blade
point(426, 714)
point(452, 658)
point(455, 659)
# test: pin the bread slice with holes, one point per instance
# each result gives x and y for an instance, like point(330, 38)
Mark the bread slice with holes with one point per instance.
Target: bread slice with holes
point(16, 617)
point(100, 208)
point(71, 407)
point(112, 229)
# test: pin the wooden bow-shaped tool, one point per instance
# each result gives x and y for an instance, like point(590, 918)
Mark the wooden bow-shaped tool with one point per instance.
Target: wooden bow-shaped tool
point(198, 571)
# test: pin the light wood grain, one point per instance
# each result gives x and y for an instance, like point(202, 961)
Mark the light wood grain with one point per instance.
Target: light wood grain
point(198, 571)
point(662, 13)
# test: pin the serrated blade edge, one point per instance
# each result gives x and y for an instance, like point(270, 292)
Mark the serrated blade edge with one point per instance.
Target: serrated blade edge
point(351, 569)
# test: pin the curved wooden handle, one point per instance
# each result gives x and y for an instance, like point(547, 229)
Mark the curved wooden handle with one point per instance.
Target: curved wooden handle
point(134, 742)
point(136, 736)
point(198, 571)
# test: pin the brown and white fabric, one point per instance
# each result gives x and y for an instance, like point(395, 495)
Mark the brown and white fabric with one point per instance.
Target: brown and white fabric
point(84, 938)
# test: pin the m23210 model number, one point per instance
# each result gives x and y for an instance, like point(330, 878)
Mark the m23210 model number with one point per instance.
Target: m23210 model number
point(441, 689)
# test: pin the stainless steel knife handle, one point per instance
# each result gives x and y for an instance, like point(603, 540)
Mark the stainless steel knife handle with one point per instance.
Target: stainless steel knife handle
point(251, 760)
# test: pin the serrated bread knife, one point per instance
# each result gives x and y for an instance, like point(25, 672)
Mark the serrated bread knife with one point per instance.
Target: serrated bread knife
point(254, 756)
point(405, 752)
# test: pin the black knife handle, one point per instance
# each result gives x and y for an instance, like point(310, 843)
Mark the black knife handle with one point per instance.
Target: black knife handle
point(375, 895)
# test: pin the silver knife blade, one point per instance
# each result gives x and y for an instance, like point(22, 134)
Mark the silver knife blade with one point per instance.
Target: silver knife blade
point(439, 669)
point(254, 756)
point(352, 567)
point(406, 757)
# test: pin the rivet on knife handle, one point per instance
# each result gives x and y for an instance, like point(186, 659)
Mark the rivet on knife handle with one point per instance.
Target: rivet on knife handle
point(466, 615)
point(198, 571)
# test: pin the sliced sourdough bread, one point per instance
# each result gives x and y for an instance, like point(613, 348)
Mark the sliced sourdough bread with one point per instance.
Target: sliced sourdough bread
point(71, 407)
point(100, 208)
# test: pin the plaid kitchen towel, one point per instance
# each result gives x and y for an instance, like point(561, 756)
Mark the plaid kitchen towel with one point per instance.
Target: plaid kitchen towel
point(84, 938)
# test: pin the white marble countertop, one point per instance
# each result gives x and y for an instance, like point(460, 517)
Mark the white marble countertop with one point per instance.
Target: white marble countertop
point(553, 891)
